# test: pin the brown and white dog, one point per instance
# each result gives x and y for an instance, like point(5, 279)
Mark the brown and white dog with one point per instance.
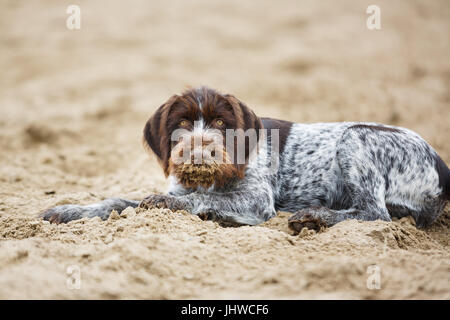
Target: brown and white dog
point(225, 163)
point(204, 115)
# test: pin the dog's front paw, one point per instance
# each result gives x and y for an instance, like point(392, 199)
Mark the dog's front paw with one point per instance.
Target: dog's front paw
point(305, 218)
point(162, 201)
point(207, 215)
point(63, 214)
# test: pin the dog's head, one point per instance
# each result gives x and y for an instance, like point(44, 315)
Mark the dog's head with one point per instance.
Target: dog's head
point(203, 138)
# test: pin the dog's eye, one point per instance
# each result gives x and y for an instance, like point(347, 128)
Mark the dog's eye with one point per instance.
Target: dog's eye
point(219, 122)
point(183, 123)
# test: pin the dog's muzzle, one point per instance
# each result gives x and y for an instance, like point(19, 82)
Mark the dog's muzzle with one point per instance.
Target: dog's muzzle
point(202, 161)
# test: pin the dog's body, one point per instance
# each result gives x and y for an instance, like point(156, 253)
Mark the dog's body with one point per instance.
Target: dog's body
point(329, 171)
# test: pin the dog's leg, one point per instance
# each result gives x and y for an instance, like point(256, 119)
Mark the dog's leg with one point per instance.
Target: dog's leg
point(363, 183)
point(367, 198)
point(66, 213)
point(424, 215)
point(317, 217)
point(250, 207)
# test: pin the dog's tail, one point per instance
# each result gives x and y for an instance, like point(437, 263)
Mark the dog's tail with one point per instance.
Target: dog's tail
point(444, 177)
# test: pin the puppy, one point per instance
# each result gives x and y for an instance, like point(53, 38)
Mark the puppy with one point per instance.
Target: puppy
point(226, 164)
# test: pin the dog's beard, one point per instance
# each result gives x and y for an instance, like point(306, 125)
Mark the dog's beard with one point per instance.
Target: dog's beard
point(194, 175)
point(206, 174)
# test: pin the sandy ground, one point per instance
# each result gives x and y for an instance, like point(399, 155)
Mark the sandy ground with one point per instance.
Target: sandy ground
point(73, 105)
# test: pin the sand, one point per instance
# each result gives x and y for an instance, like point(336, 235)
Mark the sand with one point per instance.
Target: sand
point(73, 105)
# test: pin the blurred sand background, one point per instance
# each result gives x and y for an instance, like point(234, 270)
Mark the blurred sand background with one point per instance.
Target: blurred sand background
point(73, 105)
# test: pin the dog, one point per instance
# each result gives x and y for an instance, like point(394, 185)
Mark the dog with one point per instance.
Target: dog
point(323, 173)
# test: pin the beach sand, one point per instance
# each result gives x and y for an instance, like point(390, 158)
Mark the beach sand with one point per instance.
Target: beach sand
point(73, 104)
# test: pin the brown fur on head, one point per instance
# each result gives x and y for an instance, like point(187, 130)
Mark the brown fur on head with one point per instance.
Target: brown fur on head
point(212, 113)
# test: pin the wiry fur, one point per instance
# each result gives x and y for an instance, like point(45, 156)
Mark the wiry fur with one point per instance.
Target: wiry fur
point(329, 171)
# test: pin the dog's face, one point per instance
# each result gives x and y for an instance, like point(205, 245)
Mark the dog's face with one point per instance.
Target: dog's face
point(199, 138)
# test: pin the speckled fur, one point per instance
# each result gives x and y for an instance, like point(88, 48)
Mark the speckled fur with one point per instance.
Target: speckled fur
point(336, 171)
point(359, 171)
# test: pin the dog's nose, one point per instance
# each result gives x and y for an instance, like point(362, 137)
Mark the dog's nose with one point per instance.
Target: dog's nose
point(203, 156)
point(197, 156)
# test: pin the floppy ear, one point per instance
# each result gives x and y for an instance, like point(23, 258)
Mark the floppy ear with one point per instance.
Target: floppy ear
point(156, 135)
point(246, 119)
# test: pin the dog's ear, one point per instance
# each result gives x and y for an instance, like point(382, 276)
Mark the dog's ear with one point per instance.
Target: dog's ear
point(156, 135)
point(245, 119)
